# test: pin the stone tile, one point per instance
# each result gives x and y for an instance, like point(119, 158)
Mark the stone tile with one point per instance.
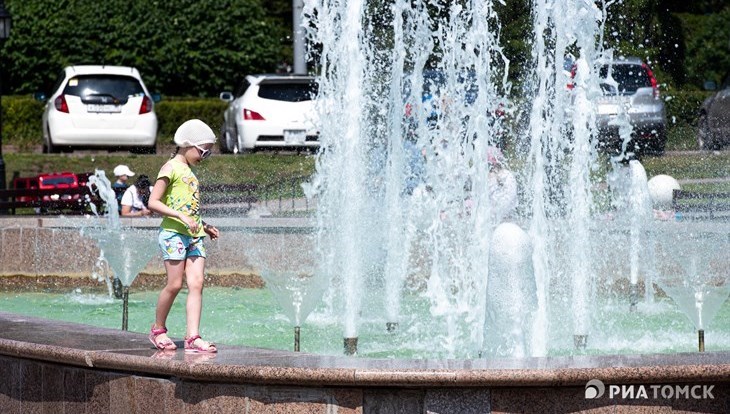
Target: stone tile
point(97, 391)
point(392, 401)
point(285, 400)
point(346, 400)
point(74, 390)
point(457, 401)
point(150, 394)
point(10, 379)
point(52, 393)
point(31, 394)
point(213, 398)
point(547, 400)
point(121, 394)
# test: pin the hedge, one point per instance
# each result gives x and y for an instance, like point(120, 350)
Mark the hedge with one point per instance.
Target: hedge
point(21, 115)
point(21, 118)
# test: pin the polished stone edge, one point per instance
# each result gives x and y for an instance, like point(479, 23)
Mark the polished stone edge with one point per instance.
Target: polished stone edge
point(308, 369)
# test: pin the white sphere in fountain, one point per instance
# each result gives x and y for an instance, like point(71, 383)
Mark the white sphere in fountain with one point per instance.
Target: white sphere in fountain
point(511, 294)
point(511, 245)
point(661, 189)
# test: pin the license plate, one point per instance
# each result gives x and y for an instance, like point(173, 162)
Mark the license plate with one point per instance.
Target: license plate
point(608, 109)
point(295, 136)
point(104, 108)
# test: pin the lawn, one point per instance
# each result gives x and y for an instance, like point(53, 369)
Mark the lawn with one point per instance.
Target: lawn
point(258, 168)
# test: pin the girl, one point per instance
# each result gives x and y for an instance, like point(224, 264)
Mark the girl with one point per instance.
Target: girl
point(175, 196)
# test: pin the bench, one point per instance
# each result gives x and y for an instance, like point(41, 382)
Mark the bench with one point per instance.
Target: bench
point(228, 199)
point(76, 200)
point(696, 205)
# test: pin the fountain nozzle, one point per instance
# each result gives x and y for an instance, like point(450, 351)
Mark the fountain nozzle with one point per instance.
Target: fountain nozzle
point(391, 326)
point(580, 341)
point(701, 338)
point(350, 346)
point(633, 297)
point(125, 307)
point(296, 338)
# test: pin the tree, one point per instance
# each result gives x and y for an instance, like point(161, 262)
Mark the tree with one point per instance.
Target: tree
point(181, 47)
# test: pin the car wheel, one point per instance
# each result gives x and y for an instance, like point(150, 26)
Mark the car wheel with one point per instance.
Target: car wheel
point(232, 143)
point(223, 144)
point(48, 147)
point(705, 141)
point(144, 150)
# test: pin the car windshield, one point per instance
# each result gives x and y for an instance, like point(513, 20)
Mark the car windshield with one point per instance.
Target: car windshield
point(58, 180)
point(288, 92)
point(434, 81)
point(628, 77)
point(103, 89)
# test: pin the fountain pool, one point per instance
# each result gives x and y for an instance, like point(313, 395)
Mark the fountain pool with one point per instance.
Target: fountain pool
point(252, 317)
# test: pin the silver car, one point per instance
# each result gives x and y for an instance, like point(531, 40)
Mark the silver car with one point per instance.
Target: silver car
point(629, 85)
point(713, 125)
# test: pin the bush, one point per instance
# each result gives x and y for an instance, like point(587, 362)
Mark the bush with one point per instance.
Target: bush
point(21, 121)
point(173, 112)
point(21, 118)
point(683, 107)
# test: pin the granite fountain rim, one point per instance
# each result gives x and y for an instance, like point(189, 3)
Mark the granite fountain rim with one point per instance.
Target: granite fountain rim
point(103, 348)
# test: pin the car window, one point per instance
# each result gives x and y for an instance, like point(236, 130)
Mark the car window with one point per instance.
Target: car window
point(242, 88)
point(58, 180)
point(629, 77)
point(288, 92)
point(103, 88)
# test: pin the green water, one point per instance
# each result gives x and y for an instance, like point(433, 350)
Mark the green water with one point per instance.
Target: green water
point(251, 317)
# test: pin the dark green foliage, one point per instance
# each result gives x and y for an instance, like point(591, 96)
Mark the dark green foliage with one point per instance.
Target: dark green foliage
point(181, 47)
point(171, 114)
point(22, 118)
point(683, 107)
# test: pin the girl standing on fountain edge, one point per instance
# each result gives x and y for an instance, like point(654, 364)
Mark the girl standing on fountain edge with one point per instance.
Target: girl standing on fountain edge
point(176, 197)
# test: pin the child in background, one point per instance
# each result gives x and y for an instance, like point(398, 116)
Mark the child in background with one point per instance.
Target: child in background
point(175, 196)
point(135, 198)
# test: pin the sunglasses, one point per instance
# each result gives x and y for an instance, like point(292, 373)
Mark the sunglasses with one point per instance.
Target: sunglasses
point(204, 153)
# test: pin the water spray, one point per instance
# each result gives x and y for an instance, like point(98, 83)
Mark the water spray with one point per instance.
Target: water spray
point(350, 346)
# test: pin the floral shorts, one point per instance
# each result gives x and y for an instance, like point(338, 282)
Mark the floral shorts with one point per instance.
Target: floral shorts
point(176, 246)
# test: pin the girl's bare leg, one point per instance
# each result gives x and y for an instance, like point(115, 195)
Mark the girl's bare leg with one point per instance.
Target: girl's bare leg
point(194, 274)
point(175, 270)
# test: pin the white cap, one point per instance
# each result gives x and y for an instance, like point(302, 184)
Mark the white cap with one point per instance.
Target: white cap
point(122, 170)
point(194, 132)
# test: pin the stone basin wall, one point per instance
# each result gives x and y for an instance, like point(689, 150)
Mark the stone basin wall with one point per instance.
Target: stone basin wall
point(43, 253)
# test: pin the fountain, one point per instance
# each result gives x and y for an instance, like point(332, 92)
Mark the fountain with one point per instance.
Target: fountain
point(694, 267)
point(126, 251)
point(375, 232)
point(408, 249)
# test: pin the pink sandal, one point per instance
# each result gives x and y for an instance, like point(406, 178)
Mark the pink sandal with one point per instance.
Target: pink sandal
point(165, 344)
point(208, 347)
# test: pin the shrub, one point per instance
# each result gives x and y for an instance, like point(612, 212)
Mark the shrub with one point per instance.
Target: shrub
point(21, 118)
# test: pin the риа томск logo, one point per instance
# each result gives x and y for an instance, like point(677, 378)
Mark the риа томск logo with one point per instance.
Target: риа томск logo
point(595, 388)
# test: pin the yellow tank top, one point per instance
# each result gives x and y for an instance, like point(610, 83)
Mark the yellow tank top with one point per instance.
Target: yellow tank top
point(182, 194)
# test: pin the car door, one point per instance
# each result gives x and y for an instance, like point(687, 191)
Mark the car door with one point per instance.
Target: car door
point(718, 116)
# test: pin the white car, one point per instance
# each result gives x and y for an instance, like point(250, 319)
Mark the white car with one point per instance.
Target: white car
point(270, 111)
point(105, 107)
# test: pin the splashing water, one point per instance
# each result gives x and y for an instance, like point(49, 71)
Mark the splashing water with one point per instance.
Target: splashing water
point(412, 97)
point(126, 250)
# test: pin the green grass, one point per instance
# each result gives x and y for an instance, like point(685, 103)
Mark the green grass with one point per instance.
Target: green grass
point(690, 165)
point(258, 168)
